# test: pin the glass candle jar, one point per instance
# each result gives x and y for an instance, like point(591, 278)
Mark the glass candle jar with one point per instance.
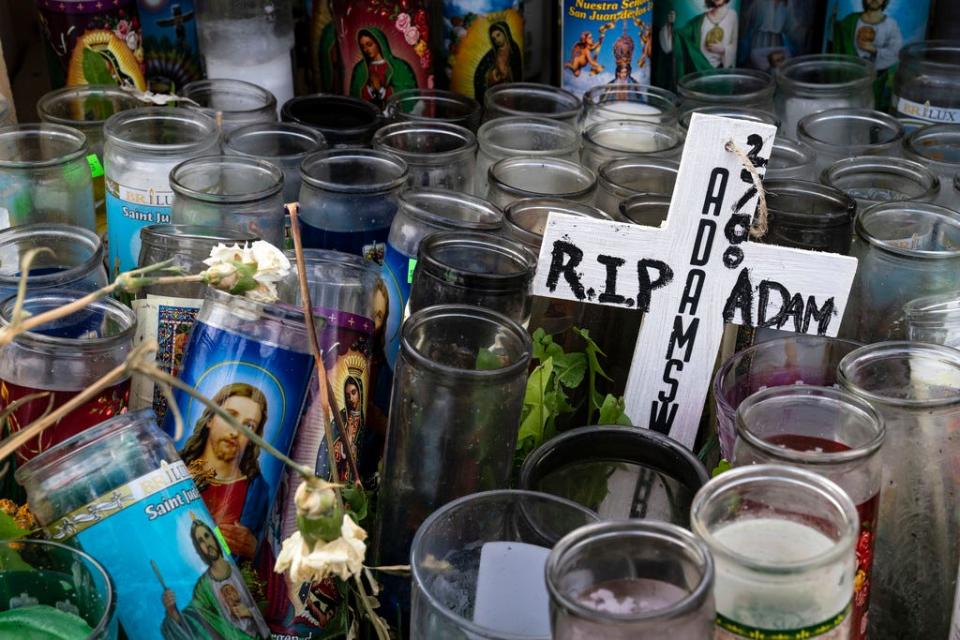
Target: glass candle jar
point(783, 361)
point(50, 587)
point(783, 542)
point(525, 220)
point(646, 209)
point(343, 121)
point(618, 180)
point(419, 105)
point(120, 493)
point(511, 179)
point(86, 108)
point(348, 198)
point(924, 81)
point(749, 114)
point(437, 154)
point(252, 360)
point(790, 159)
point(631, 581)
point(240, 194)
point(613, 139)
point(502, 540)
point(628, 102)
point(530, 99)
point(523, 136)
point(807, 215)
point(44, 176)
point(914, 387)
point(813, 83)
point(835, 134)
point(477, 269)
point(829, 432)
point(284, 144)
point(937, 147)
point(453, 359)
point(934, 319)
point(906, 250)
point(63, 358)
point(619, 472)
point(166, 312)
point(250, 41)
point(232, 103)
point(727, 87)
point(142, 146)
point(872, 180)
point(74, 262)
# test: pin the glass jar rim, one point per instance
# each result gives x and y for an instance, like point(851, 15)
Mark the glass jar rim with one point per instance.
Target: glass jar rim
point(599, 94)
point(947, 216)
point(767, 475)
point(764, 85)
point(892, 351)
point(560, 129)
point(230, 86)
point(629, 206)
point(284, 129)
point(795, 148)
point(466, 141)
point(74, 139)
point(783, 74)
point(78, 234)
point(515, 252)
point(121, 313)
point(596, 533)
point(913, 141)
point(233, 164)
point(473, 213)
point(520, 208)
point(332, 257)
point(509, 165)
point(607, 181)
point(673, 133)
point(265, 311)
point(396, 165)
point(900, 167)
point(204, 128)
point(332, 103)
point(562, 97)
point(878, 118)
point(844, 206)
point(449, 372)
point(191, 236)
point(471, 108)
point(935, 310)
point(913, 49)
point(51, 98)
point(825, 458)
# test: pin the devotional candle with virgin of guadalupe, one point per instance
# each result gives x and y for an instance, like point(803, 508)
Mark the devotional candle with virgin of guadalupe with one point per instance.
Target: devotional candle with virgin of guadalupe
point(483, 45)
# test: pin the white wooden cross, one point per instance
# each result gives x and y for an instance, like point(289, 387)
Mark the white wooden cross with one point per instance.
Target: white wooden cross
point(693, 274)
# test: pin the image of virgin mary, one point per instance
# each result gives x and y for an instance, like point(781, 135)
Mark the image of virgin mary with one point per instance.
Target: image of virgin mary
point(379, 74)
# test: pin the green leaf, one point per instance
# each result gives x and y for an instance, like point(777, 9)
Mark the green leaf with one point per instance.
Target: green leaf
point(357, 503)
point(722, 466)
point(487, 360)
point(9, 529)
point(11, 560)
point(574, 368)
point(538, 382)
point(530, 435)
point(613, 411)
point(95, 69)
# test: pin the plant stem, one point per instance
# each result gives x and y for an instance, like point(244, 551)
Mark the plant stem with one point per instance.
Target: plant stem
point(382, 632)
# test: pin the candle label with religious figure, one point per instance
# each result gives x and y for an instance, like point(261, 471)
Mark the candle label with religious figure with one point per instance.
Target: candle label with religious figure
point(385, 47)
point(129, 209)
point(773, 31)
point(606, 43)
point(170, 43)
point(483, 44)
point(694, 274)
point(693, 35)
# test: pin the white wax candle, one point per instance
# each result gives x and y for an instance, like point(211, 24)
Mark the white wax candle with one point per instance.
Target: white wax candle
point(511, 592)
point(623, 110)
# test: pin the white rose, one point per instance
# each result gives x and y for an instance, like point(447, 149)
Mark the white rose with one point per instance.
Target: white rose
point(272, 265)
point(266, 293)
point(315, 501)
point(342, 557)
point(223, 276)
point(222, 254)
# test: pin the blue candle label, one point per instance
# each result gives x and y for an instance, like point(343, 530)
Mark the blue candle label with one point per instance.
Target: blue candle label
point(128, 211)
point(483, 44)
point(264, 387)
point(397, 274)
point(173, 577)
point(693, 35)
point(171, 44)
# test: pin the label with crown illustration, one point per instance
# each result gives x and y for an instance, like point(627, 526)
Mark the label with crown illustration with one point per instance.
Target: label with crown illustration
point(606, 43)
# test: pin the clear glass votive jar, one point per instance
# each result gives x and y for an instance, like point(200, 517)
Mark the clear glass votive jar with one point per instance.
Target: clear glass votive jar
point(871, 180)
point(923, 86)
point(62, 358)
point(530, 99)
point(231, 103)
point(86, 108)
point(783, 543)
point(233, 192)
point(525, 220)
point(937, 146)
point(934, 319)
point(74, 262)
point(628, 102)
point(431, 105)
point(285, 144)
point(613, 139)
point(523, 136)
point(348, 198)
point(835, 134)
point(631, 580)
point(813, 83)
point(438, 155)
point(748, 88)
point(620, 179)
point(617, 471)
point(645, 209)
point(48, 587)
point(916, 390)
point(749, 114)
point(511, 179)
point(790, 159)
point(142, 147)
point(906, 250)
point(44, 176)
point(343, 121)
point(478, 565)
point(832, 433)
point(809, 215)
point(477, 269)
point(783, 361)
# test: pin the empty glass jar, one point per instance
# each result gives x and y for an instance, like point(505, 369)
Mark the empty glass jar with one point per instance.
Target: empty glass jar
point(530, 99)
point(871, 180)
point(923, 86)
point(628, 102)
point(619, 180)
point(727, 87)
point(343, 121)
point(523, 136)
point(612, 139)
point(937, 146)
point(74, 262)
point(514, 178)
point(232, 103)
point(808, 215)
point(438, 155)
point(790, 159)
point(835, 134)
point(934, 319)
point(285, 144)
point(433, 105)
